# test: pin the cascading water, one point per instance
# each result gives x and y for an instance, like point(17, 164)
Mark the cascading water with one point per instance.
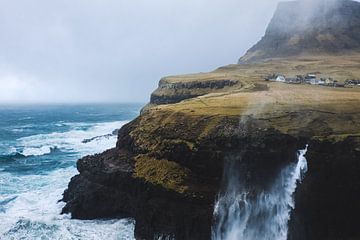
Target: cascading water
point(239, 216)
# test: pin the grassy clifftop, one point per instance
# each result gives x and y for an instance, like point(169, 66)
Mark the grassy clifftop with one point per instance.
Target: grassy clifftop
point(233, 79)
point(314, 112)
point(278, 100)
point(167, 167)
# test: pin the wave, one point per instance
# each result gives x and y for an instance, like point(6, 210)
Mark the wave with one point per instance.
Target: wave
point(36, 151)
point(25, 118)
point(101, 135)
point(31, 210)
point(37, 159)
point(4, 201)
point(17, 130)
point(6, 150)
point(12, 153)
point(12, 150)
point(21, 128)
point(10, 158)
point(95, 230)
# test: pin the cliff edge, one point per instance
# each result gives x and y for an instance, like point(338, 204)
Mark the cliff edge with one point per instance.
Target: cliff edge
point(167, 167)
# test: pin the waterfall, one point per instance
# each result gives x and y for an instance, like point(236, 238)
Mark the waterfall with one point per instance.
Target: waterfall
point(241, 216)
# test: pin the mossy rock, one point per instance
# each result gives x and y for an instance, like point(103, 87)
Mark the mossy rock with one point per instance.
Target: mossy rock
point(167, 174)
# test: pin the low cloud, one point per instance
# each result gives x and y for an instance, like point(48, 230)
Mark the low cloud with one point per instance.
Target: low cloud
point(117, 50)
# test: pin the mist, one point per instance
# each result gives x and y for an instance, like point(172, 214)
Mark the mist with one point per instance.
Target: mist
point(64, 51)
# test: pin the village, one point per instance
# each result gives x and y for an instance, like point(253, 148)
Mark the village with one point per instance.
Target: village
point(312, 79)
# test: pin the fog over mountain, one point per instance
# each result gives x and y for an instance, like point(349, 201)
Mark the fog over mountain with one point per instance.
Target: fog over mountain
point(309, 28)
point(113, 51)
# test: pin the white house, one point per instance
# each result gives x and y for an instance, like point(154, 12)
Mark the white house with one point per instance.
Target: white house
point(321, 82)
point(311, 76)
point(329, 81)
point(280, 78)
point(314, 81)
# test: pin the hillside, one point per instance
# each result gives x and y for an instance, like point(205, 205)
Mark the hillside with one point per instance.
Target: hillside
point(309, 27)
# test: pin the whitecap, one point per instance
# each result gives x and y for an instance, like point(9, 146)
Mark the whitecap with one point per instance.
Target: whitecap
point(26, 118)
point(72, 140)
point(30, 207)
point(32, 211)
point(36, 151)
point(66, 230)
point(11, 150)
point(17, 130)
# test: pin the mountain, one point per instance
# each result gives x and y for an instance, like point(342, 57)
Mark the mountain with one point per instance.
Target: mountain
point(309, 27)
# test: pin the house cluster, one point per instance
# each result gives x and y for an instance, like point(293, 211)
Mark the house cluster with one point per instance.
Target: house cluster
point(309, 78)
point(352, 83)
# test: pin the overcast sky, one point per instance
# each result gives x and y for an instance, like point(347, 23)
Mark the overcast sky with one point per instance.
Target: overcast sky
point(117, 50)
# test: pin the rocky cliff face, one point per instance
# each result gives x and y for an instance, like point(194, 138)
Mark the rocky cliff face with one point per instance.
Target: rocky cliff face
point(167, 181)
point(326, 201)
point(309, 27)
point(174, 92)
point(167, 167)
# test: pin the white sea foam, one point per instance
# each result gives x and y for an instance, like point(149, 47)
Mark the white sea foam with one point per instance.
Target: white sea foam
point(36, 151)
point(11, 150)
point(72, 141)
point(35, 213)
point(29, 207)
point(17, 130)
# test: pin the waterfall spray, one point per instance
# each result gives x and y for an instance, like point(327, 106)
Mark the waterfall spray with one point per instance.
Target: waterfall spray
point(263, 217)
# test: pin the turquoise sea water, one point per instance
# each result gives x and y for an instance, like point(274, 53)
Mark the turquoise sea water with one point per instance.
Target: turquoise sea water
point(39, 146)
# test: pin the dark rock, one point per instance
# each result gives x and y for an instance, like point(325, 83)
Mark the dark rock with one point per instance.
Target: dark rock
point(107, 186)
point(319, 26)
point(327, 201)
point(175, 92)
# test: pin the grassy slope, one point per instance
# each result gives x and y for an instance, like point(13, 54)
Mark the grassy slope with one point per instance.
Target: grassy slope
point(274, 99)
point(338, 67)
point(320, 112)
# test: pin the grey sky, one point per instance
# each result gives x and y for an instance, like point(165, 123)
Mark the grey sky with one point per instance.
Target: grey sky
point(117, 50)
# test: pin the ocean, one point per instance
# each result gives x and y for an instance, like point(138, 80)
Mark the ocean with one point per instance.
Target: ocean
point(39, 147)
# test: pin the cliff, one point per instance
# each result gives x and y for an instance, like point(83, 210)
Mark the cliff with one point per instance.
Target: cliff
point(167, 167)
point(309, 27)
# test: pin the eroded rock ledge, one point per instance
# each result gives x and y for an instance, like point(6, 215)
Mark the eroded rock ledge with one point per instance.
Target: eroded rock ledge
point(174, 92)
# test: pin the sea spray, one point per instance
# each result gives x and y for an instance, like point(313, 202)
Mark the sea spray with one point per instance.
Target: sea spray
point(240, 215)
